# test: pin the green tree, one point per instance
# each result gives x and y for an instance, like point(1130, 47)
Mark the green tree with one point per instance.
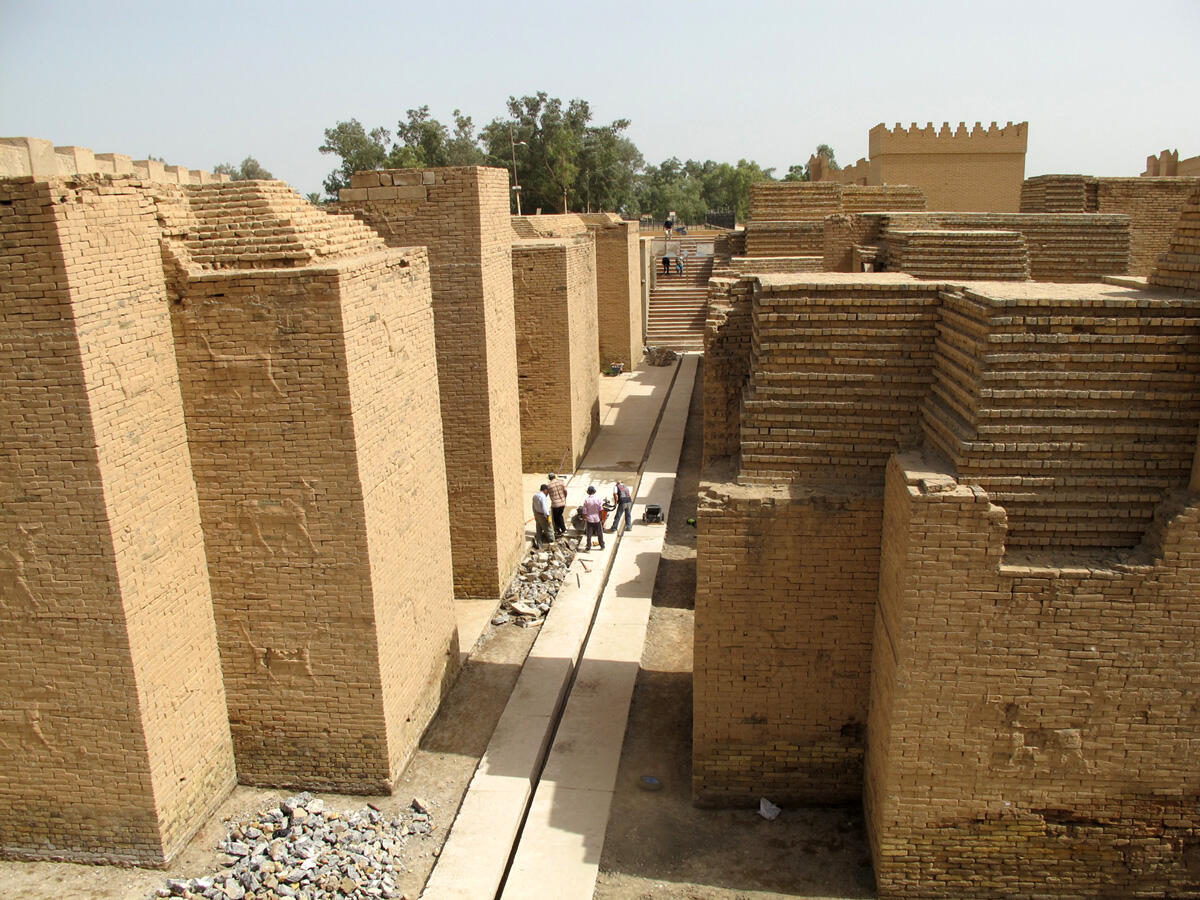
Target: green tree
point(248, 170)
point(424, 141)
point(562, 161)
point(803, 173)
point(358, 149)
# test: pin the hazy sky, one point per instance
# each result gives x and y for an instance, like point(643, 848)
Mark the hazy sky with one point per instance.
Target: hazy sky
point(1102, 84)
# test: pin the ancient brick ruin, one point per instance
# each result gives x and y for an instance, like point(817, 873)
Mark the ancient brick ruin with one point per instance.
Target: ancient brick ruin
point(229, 490)
point(975, 170)
point(949, 523)
point(948, 535)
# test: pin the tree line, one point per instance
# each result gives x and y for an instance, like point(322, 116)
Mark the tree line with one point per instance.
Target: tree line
point(563, 162)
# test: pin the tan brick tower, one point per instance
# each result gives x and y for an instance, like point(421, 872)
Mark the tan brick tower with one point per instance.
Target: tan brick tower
point(114, 743)
point(461, 215)
point(306, 357)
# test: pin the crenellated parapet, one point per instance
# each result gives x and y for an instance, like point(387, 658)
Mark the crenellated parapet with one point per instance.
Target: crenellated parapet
point(914, 139)
point(40, 158)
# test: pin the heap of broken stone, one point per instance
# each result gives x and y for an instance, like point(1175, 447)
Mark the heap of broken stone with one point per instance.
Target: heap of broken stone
point(537, 582)
point(298, 849)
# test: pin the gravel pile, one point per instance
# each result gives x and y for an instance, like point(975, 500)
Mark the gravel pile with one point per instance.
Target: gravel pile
point(660, 356)
point(298, 849)
point(538, 580)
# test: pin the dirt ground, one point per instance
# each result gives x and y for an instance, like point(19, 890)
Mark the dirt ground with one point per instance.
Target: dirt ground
point(657, 845)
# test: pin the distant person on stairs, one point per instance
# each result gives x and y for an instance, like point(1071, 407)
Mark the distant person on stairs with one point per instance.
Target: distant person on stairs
point(666, 262)
point(679, 264)
point(667, 226)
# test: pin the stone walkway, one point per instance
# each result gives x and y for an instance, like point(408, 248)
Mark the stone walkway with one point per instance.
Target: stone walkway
point(572, 698)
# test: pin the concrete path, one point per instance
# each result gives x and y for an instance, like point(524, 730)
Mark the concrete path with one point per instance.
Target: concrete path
point(476, 853)
point(559, 850)
point(629, 407)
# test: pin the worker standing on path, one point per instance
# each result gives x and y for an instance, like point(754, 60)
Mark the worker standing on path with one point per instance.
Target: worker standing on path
point(543, 534)
point(558, 504)
point(593, 511)
point(624, 500)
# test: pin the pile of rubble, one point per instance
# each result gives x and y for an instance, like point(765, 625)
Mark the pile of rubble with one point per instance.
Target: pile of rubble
point(298, 849)
point(660, 356)
point(538, 580)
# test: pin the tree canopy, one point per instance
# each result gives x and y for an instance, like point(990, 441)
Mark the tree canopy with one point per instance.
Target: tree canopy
point(249, 169)
point(563, 161)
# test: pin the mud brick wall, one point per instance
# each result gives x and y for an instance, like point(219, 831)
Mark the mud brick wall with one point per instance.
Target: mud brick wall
point(39, 158)
point(814, 200)
point(1152, 204)
point(794, 200)
point(1168, 163)
point(866, 198)
point(114, 742)
point(743, 265)
point(312, 420)
point(461, 215)
point(785, 595)
point(970, 255)
point(1062, 247)
point(727, 348)
point(842, 233)
point(1031, 726)
point(980, 170)
point(554, 288)
point(840, 366)
point(618, 289)
point(1074, 406)
point(784, 238)
point(1059, 194)
point(1179, 267)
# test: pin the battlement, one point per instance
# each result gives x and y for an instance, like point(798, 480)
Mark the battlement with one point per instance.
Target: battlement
point(1168, 163)
point(914, 139)
point(39, 158)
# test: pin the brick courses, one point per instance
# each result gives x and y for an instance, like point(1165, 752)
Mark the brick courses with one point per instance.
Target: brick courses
point(980, 170)
point(309, 380)
point(1074, 406)
point(1179, 267)
point(554, 289)
point(1062, 247)
point(1038, 609)
point(1152, 204)
point(103, 582)
point(461, 215)
point(618, 289)
point(1031, 723)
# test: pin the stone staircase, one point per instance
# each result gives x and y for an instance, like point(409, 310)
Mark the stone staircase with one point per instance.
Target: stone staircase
point(678, 302)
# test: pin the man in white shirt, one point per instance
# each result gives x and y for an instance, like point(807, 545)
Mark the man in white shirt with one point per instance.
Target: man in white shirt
point(543, 532)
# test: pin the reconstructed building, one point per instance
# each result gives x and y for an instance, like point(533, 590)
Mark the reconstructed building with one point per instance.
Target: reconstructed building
point(975, 170)
point(461, 215)
point(947, 562)
point(220, 407)
point(554, 291)
point(310, 387)
point(103, 581)
point(1152, 204)
point(1169, 163)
